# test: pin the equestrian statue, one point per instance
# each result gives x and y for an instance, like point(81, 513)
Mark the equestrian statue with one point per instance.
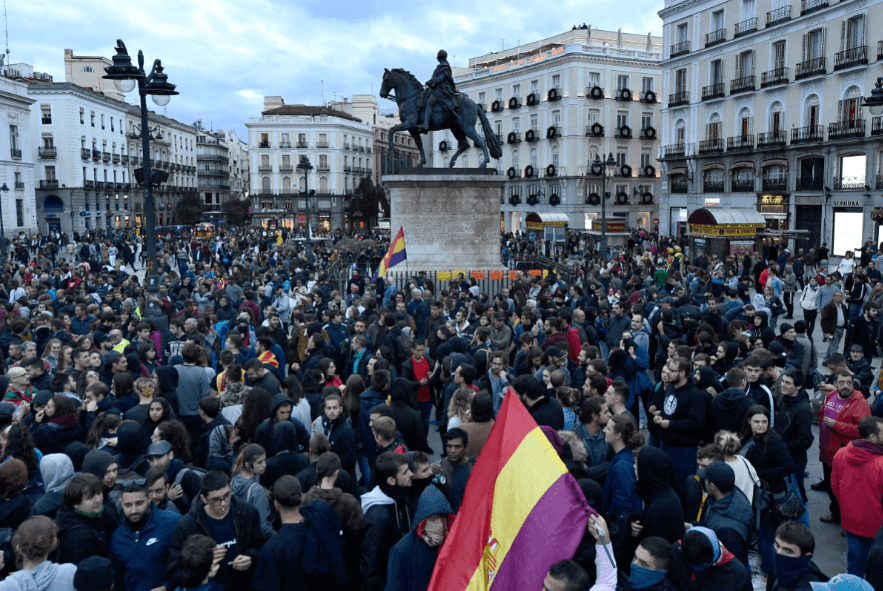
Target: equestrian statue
point(435, 107)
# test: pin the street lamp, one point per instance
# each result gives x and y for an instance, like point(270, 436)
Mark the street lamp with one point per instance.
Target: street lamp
point(609, 163)
point(305, 166)
point(4, 244)
point(125, 75)
point(875, 103)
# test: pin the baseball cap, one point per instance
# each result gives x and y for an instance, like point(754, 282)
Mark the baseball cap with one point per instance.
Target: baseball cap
point(499, 316)
point(553, 351)
point(719, 474)
point(158, 448)
point(843, 582)
point(858, 348)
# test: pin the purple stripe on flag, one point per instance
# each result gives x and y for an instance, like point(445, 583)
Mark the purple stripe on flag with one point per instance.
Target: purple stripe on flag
point(551, 532)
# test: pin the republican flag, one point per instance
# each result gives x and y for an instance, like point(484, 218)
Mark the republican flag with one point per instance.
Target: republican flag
point(522, 512)
point(394, 256)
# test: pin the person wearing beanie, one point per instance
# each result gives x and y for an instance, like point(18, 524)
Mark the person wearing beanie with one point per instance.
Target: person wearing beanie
point(94, 574)
point(793, 349)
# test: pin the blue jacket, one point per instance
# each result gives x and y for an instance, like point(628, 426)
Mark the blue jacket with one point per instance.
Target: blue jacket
point(619, 487)
point(412, 560)
point(140, 558)
point(368, 400)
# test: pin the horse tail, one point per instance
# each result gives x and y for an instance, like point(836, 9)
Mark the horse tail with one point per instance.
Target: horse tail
point(493, 142)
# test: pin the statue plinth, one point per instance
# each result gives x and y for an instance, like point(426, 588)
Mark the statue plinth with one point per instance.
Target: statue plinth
point(451, 217)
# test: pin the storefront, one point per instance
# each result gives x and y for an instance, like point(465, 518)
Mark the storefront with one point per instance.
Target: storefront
point(678, 221)
point(617, 232)
point(774, 209)
point(550, 227)
point(848, 221)
point(724, 231)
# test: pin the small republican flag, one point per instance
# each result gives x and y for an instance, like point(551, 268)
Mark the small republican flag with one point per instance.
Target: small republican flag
point(394, 256)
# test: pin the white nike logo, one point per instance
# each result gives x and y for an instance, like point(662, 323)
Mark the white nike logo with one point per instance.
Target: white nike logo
point(151, 541)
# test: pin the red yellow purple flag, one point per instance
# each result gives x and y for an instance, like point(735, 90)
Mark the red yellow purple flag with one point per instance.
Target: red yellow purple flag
point(395, 255)
point(522, 512)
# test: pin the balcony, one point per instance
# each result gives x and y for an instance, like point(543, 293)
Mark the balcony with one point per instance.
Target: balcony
point(877, 126)
point(514, 137)
point(497, 106)
point(624, 132)
point(50, 184)
point(779, 184)
point(85, 153)
point(554, 94)
point(118, 186)
point(532, 135)
point(648, 133)
point(515, 102)
point(709, 186)
point(595, 130)
point(774, 77)
point(594, 92)
point(856, 56)
point(96, 154)
point(743, 84)
point(623, 94)
point(740, 143)
point(264, 145)
point(810, 184)
point(89, 184)
point(127, 186)
point(116, 158)
point(20, 186)
point(674, 151)
point(124, 158)
point(679, 186)
point(346, 146)
point(265, 169)
point(134, 161)
point(715, 37)
point(49, 152)
point(323, 168)
point(347, 169)
point(303, 144)
point(286, 168)
point(553, 132)
point(743, 185)
point(680, 49)
point(714, 91)
point(810, 6)
point(285, 145)
point(807, 135)
point(845, 130)
point(679, 98)
point(745, 27)
point(772, 139)
point(711, 147)
point(851, 184)
point(323, 145)
point(15, 153)
point(443, 146)
point(533, 99)
point(99, 184)
point(809, 68)
point(779, 15)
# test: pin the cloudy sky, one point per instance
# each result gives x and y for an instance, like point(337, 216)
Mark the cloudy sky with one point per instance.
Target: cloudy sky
point(226, 55)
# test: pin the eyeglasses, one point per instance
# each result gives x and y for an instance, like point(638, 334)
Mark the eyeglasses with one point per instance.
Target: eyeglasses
point(132, 482)
point(218, 501)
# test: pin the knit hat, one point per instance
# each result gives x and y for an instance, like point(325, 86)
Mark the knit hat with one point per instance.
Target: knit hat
point(94, 573)
point(719, 474)
point(785, 327)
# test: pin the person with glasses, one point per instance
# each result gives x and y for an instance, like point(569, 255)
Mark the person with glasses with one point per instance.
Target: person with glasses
point(231, 523)
point(139, 548)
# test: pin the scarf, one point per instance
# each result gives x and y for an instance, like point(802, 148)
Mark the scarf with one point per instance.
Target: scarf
point(65, 420)
point(789, 569)
point(91, 515)
point(642, 578)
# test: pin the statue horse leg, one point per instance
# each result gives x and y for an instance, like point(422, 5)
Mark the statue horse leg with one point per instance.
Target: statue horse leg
point(470, 130)
point(462, 144)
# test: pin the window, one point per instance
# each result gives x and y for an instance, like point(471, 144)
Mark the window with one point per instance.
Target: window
point(516, 90)
point(748, 9)
point(556, 118)
point(286, 184)
point(853, 34)
point(555, 157)
point(680, 131)
point(534, 158)
point(853, 170)
point(646, 120)
point(20, 212)
point(717, 20)
point(779, 56)
point(850, 108)
point(102, 121)
point(13, 137)
point(50, 173)
point(45, 115)
point(265, 185)
point(646, 160)
point(481, 96)
point(744, 122)
point(646, 84)
point(265, 161)
point(814, 45)
point(622, 82)
point(717, 72)
point(82, 117)
point(621, 158)
point(594, 116)
point(812, 111)
point(745, 64)
point(534, 86)
point(286, 161)
point(776, 117)
point(498, 94)
point(556, 81)
point(92, 118)
point(516, 124)
point(622, 119)
point(681, 80)
point(713, 129)
point(87, 69)
point(682, 33)
point(533, 122)
point(516, 162)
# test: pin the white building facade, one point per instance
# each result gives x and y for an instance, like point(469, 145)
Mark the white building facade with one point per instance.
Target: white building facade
point(763, 110)
point(338, 146)
point(18, 206)
point(558, 104)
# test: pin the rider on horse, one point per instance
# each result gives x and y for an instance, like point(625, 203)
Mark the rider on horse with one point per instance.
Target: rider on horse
point(441, 89)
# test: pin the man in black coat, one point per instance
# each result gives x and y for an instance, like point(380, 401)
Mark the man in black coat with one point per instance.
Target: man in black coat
point(794, 422)
point(544, 410)
point(230, 522)
point(408, 421)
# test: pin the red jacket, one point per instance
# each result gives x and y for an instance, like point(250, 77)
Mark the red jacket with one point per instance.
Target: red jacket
point(846, 426)
point(857, 482)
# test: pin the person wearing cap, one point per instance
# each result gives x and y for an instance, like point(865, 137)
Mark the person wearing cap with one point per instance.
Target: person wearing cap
point(702, 563)
point(182, 478)
point(500, 333)
point(139, 547)
point(857, 482)
point(727, 510)
point(794, 350)
point(860, 368)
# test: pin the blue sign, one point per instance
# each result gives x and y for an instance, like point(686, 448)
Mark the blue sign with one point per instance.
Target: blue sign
point(83, 213)
point(51, 215)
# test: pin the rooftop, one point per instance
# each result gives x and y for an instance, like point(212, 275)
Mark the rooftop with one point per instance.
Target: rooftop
point(309, 111)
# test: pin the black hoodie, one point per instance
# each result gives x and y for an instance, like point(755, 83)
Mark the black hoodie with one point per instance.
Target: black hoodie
point(794, 425)
point(264, 434)
point(80, 537)
point(728, 410)
point(663, 514)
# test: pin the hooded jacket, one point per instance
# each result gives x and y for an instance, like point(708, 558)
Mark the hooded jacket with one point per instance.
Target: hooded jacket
point(725, 571)
point(845, 427)
point(857, 482)
point(728, 410)
point(132, 444)
point(52, 438)
point(139, 557)
point(48, 576)
point(685, 408)
point(264, 434)
point(412, 560)
point(663, 513)
point(387, 520)
point(342, 439)
point(732, 511)
point(368, 400)
point(251, 491)
point(80, 537)
point(619, 486)
point(56, 470)
point(794, 425)
point(408, 421)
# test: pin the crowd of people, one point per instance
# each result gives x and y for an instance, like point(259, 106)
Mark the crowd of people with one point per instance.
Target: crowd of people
point(273, 426)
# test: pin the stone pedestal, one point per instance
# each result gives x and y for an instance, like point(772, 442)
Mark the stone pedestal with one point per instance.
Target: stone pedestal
point(451, 217)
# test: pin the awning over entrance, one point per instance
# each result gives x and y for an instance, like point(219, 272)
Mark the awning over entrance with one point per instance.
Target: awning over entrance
point(725, 223)
point(538, 221)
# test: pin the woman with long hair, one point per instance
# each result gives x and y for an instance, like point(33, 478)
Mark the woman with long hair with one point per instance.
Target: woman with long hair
point(249, 466)
point(622, 437)
point(19, 445)
point(147, 357)
point(769, 455)
point(33, 541)
point(102, 435)
point(257, 407)
point(51, 353)
point(158, 412)
point(329, 370)
point(57, 425)
point(123, 389)
point(458, 409)
point(64, 357)
point(175, 433)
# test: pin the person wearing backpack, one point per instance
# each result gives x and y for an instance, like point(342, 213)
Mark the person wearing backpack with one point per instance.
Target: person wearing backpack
point(183, 479)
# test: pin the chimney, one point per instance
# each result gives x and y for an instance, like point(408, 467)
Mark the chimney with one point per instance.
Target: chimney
point(345, 100)
point(272, 102)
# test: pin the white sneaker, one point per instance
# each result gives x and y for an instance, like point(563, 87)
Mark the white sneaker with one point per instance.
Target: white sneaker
point(757, 583)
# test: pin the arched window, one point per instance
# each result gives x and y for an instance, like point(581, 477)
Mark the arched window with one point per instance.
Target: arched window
point(286, 184)
point(302, 183)
point(465, 161)
point(88, 69)
point(811, 111)
point(593, 155)
point(446, 162)
point(265, 185)
point(323, 184)
point(680, 132)
point(851, 108)
point(744, 122)
point(713, 131)
point(776, 117)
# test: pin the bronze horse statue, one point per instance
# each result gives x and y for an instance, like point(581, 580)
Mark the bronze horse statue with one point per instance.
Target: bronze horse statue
point(408, 93)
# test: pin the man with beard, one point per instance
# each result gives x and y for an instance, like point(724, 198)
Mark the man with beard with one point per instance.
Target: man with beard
point(139, 548)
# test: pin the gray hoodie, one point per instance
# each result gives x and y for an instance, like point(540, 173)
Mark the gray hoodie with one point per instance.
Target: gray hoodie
point(56, 470)
point(48, 576)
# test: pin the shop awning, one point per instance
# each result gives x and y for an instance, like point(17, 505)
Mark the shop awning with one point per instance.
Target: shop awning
point(539, 220)
point(725, 223)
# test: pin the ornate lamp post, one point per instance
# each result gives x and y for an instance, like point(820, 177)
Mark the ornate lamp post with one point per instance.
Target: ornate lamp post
point(609, 163)
point(125, 75)
point(875, 102)
point(4, 244)
point(305, 166)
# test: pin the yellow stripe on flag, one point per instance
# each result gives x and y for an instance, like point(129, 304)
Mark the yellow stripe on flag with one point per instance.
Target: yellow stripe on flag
point(520, 485)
